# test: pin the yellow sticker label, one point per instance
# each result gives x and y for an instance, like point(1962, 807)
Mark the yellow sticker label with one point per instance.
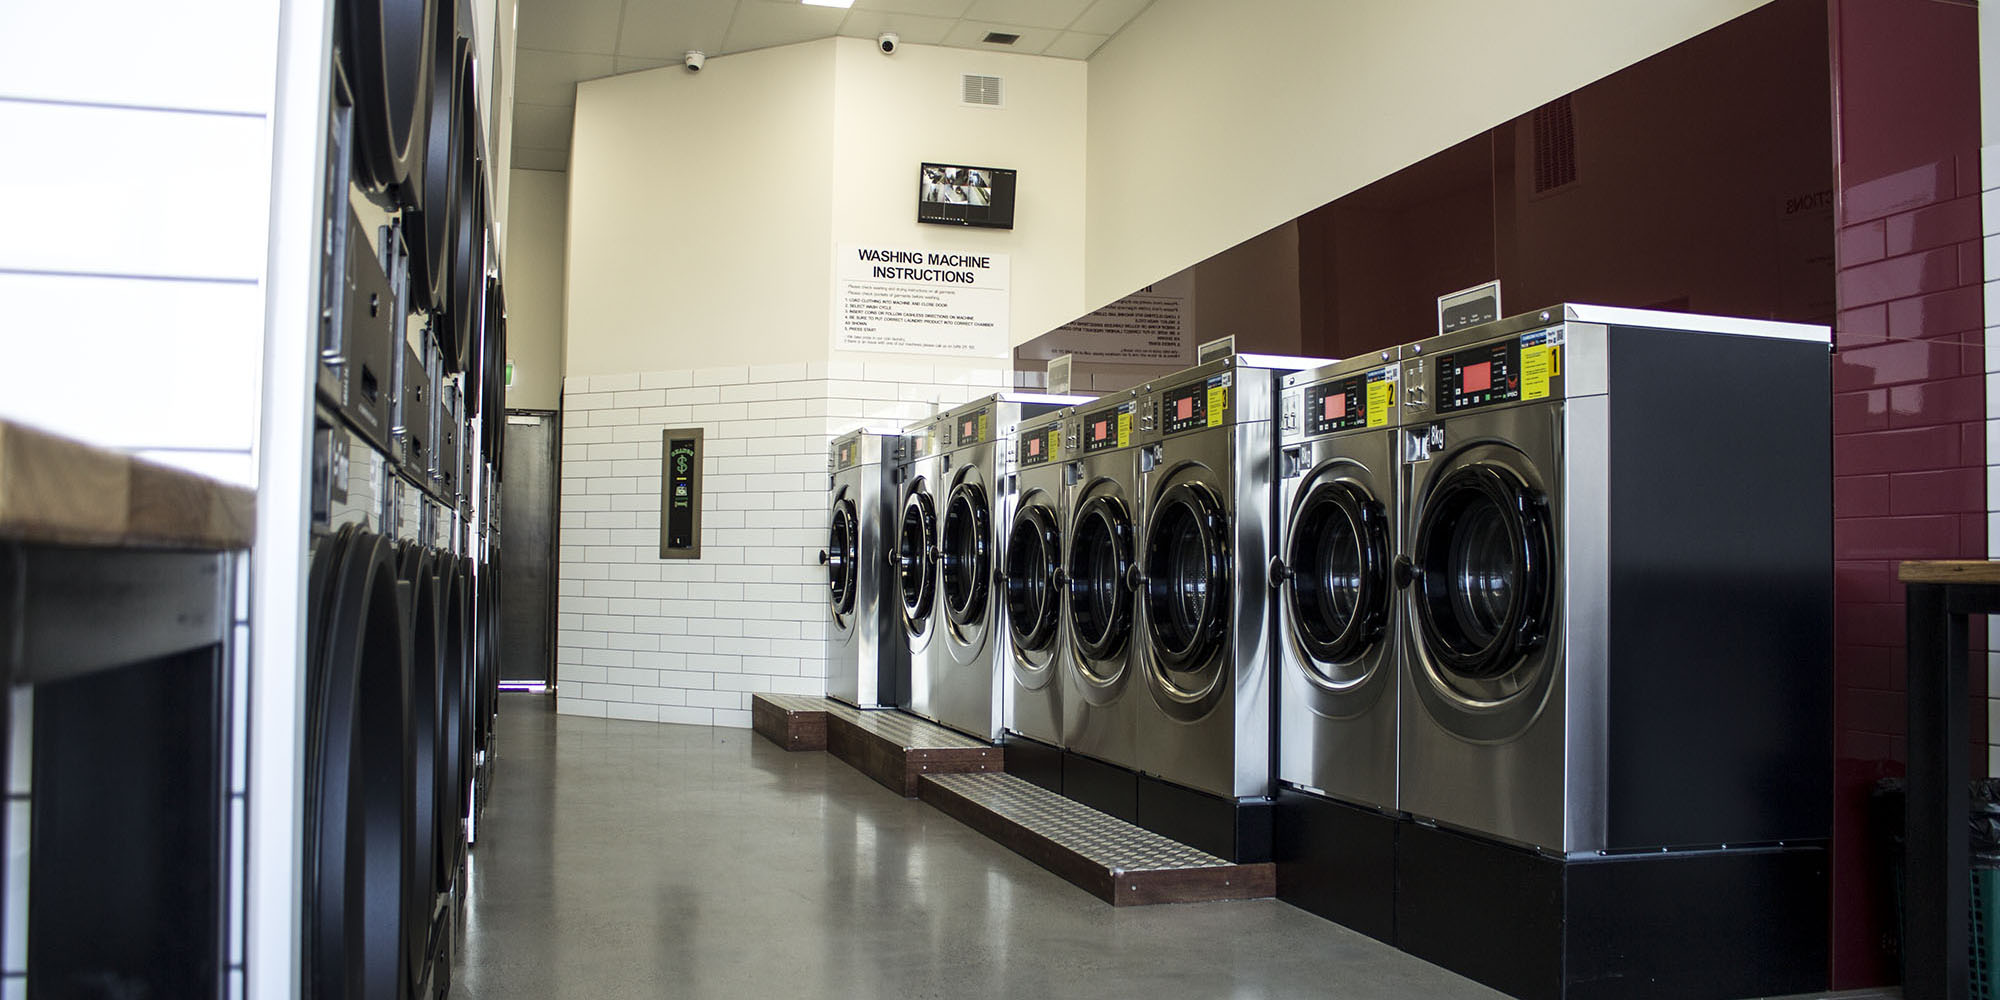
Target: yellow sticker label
point(985, 426)
point(1381, 398)
point(1124, 428)
point(1055, 444)
point(1218, 404)
point(1538, 363)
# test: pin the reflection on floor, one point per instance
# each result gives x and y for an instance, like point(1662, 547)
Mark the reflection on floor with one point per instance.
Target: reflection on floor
point(626, 859)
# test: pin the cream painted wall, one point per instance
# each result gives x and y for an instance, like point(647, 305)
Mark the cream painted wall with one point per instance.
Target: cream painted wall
point(535, 264)
point(893, 112)
point(1212, 122)
point(705, 209)
point(700, 214)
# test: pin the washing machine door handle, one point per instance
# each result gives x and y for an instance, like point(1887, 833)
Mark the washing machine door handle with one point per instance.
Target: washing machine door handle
point(823, 557)
point(1407, 572)
point(1279, 573)
point(1135, 576)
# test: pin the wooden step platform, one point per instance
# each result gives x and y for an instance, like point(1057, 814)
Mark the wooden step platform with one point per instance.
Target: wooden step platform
point(791, 721)
point(893, 747)
point(1116, 861)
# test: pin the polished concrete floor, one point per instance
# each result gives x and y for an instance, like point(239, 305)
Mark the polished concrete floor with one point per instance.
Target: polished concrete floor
point(626, 859)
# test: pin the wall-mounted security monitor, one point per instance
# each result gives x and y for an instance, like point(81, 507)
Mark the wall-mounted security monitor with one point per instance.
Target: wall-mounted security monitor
point(965, 196)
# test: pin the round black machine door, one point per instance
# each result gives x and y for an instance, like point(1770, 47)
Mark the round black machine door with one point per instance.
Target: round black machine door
point(1337, 567)
point(1483, 579)
point(916, 550)
point(1100, 599)
point(843, 546)
point(966, 554)
point(1034, 578)
point(1187, 577)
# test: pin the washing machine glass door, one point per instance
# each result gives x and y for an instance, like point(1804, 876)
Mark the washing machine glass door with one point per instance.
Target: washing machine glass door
point(1034, 575)
point(1188, 596)
point(843, 543)
point(1484, 579)
point(1338, 560)
point(966, 556)
point(1100, 599)
point(916, 550)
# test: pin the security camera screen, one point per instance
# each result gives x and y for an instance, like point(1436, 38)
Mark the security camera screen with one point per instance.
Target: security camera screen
point(965, 196)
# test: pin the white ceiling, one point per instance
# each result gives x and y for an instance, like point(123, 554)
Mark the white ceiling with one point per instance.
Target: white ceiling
point(564, 41)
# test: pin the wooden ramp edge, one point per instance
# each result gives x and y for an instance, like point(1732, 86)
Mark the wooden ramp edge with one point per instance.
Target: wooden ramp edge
point(1107, 857)
point(794, 723)
point(893, 747)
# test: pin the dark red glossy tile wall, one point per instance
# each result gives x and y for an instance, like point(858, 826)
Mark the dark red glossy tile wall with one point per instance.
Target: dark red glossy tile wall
point(1910, 404)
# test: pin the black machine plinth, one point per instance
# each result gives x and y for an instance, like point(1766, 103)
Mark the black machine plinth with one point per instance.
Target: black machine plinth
point(1688, 925)
point(1337, 861)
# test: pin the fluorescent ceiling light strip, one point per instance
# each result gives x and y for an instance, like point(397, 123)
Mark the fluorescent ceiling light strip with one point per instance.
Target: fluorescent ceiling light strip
point(523, 686)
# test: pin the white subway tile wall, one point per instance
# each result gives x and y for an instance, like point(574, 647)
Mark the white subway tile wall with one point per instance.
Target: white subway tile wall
point(689, 641)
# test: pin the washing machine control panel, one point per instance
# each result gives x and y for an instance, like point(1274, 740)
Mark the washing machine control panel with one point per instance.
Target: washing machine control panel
point(1194, 406)
point(1351, 402)
point(1518, 369)
point(1108, 428)
point(1039, 445)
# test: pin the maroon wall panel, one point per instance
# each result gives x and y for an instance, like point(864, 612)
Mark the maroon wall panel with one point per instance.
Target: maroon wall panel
point(1909, 406)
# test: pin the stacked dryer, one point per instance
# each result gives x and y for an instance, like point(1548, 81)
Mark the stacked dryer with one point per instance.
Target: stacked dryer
point(398, 679)
point(868, 661)
point(954, 492)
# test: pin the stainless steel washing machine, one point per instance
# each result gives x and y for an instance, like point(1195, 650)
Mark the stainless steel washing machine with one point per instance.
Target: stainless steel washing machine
point(1208, 485)
point(913, 553)
point(1617, 602)
point(868, 663)
point(1101, 694)
point(1332, 577)
point(965, 673)
point(1032, 576)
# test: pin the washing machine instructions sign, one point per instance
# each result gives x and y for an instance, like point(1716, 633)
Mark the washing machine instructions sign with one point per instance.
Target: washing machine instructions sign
point(1541, 360)
point(905, 300)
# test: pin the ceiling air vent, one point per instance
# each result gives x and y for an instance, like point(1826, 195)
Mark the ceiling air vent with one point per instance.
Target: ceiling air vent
point(1555, 146)
point(979, 91)
point(1000, 38)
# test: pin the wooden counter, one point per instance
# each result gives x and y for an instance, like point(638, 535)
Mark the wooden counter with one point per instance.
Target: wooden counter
point(55, 491)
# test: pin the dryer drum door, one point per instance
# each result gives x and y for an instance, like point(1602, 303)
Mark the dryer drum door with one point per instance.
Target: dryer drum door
point(1188, 595)
point(843, 539)
point(385, 47)
point(1100, 599)
point(1484, 575)
point(1339, 574)
point(418, 573)
point(1034, 576)
point(359, 788)
point(916, 550)
point(966, 554)
point(454, 732)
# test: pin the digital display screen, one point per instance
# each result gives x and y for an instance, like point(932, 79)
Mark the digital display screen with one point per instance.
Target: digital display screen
point(957, 195)
point(1339, 405)
point(1035, 447)
point(1100, 430)
point(1479, 376)
point(1186, 407)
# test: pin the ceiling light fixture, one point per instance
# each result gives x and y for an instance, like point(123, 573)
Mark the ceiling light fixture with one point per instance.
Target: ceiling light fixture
point(828, 3)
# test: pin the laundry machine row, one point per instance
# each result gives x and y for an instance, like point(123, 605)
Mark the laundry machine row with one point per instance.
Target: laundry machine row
point(399, 673)
point(1554, 710)
point(956, 496)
